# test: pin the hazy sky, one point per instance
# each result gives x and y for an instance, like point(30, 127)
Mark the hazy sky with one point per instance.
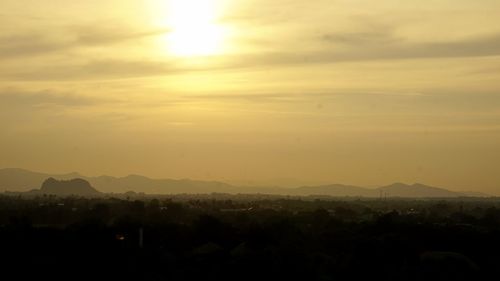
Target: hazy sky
point(347, 91)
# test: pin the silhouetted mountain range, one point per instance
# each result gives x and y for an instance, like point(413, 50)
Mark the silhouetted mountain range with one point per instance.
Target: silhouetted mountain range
point(19, 180)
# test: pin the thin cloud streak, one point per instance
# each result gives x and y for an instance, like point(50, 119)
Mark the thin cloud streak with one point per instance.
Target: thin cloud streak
point(39, 43)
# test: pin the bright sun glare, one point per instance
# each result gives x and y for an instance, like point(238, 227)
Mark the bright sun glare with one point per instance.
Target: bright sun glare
point(194, 28)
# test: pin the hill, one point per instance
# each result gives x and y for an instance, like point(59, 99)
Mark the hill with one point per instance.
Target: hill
point(20, 180)
point(78, 187)
point(416, 190)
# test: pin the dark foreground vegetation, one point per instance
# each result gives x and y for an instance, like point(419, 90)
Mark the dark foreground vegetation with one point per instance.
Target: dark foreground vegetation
point(249, 238)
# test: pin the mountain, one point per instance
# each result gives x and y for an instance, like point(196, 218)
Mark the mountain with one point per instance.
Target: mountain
point(336, 190)
point(12, 179)
point(158, 186)
point(416, 190)
point(394, 190)
point(77, 186)
point(18, 180)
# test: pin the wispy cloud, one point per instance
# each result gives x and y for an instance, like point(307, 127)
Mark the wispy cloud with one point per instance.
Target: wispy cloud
point(33, 99)
point(376, 46)
point(28, 44)
point(358, 47)
point(33, 42)
point(94, 69)
point(91, 35)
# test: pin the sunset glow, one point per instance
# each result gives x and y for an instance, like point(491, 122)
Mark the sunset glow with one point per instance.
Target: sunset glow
point(194, 28)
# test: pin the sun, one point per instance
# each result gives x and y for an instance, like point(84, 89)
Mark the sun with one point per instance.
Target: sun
point(194, 30)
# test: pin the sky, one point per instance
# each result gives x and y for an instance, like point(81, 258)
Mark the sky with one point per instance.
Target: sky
point(327, 91)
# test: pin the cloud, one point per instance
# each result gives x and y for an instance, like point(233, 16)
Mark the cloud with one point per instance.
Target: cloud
point(355, 47)
point(32, 43)
point(91, 36)
point(42, 98)
point(360, 38)
point(28, 44)
point(299, 97)
point(94, 70)
point(371, 42)
point(384, 46)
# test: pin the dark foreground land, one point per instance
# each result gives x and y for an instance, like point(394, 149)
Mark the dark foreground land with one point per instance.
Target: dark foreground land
point(248, 238)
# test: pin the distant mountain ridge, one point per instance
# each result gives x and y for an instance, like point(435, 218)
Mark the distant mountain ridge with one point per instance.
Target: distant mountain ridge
point(416, 190)
point(19, 180)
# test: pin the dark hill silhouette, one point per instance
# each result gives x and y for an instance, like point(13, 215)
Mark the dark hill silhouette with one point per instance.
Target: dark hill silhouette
point(18, 180)
point(79, 187)
point(416, 190)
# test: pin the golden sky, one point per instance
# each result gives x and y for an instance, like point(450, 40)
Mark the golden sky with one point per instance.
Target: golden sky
point(334, 91)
